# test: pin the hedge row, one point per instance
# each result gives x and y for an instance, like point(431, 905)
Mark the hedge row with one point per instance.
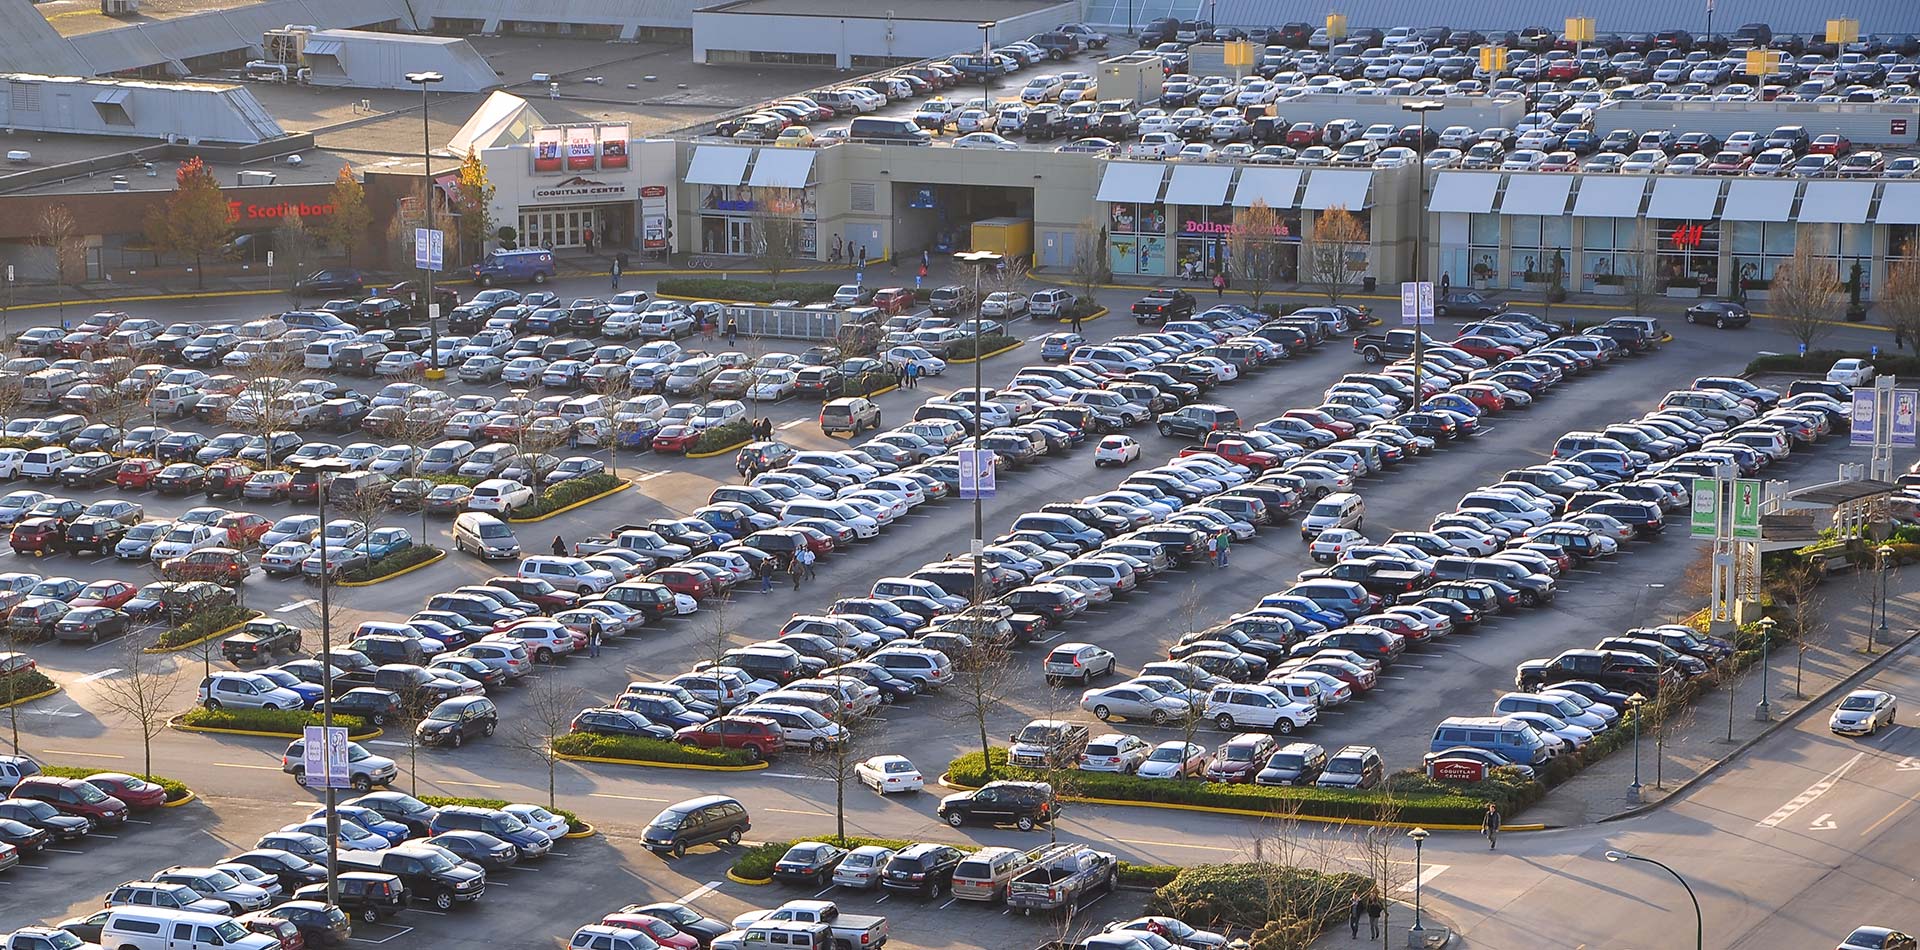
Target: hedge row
point(1456, 807)
point(176, 790)
point(1283, 906)
point(391, 564)
point(1819, 361)
point(21, 685)
point(867, 384)
point(287, 722)
point(574, 824)
point(566, 493)
point(756, 291)
point(721, 436)
point(633, 749)
point(205, 622)
point(443, 479)
point(963, 349)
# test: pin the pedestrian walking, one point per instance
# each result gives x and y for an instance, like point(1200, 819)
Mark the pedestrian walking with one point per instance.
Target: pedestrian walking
point(1446, 284)
point(589, 236)
point(559, 546)
point(795, 568)
point(926, 259)
point(593, 641)
point(1226, 544)
point(733, 331)
point(616, 275)
point(1374, 908)
point(1355, 911)
point(900, 376)
point(1219, 285)
point(1213, 550)
point(806, 560)
point(863, 257)
point(1076, 316)
point(765, 570)
point(1490, 826)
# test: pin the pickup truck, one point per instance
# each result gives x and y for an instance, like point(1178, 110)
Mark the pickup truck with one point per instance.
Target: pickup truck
point(1386, 582)
point(1615, 670)
point(850, 931)
point(260, 639)
point(1237, 451)
point(1060, 876)
point(1380, 347)
point(426, 872)
point(1166, 303)
point(637, 539)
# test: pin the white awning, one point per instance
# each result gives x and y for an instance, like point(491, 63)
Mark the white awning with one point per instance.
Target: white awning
point(1278, 187)
point(1537, 194)
point(1131, 181)
point(1329, 187)
point(1471, 192)
point(1204, 185)
point(1609, 196)
point(1836, 202)
point(718, 165)
point(1899, 203)
point(1759, 199)
point(782, 168)
point(1693, 199)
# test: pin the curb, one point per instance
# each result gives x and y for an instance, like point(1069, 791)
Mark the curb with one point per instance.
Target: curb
point(991, 354)
point(881, 391)
point(716, 453)
point(27, 699)
point(437, 558)
point(191, 798)
point(689, 766)
point(175, 723)
point(1256, 813)
point(1817, 702)
point(215, 635)
point(587, 832)
point(590, 499)
point(139, 297)
point(737, 879)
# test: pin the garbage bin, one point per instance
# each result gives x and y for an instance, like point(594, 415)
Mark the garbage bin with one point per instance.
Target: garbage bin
point(1368, 283)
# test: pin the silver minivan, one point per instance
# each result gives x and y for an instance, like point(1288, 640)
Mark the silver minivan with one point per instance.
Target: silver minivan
point(1338, 510)
point(485, 536)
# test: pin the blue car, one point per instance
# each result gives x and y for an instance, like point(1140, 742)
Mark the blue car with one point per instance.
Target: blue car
point(310, 693)
point(368, 820)
point(384, 541)
point(1453, 402)
point(1306, 608)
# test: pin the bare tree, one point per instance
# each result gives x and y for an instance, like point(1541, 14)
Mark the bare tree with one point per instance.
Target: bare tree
point(719, 634)
point(546, 714)
point(1062, 772)
point(1640, 273)
point(1089, 267)
point(263, 411)
point(368, 508)
point(415, 703)
point(58, 233)
point(1258, 255)
point(779, 231)
point(142, 695)
point(1010, 277)
point(982, 690)
point(1802, 293)
point(838, 762)
point(1337, 255)
point(1379, 847)
point(1900, 296)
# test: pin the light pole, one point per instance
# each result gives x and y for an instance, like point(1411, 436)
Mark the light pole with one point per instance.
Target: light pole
point(425, 81)
point(1764, 711)
point(986, 74)
point(981, 260)
point(1634, 703)
point(1420, 107)
point(1419, 836)
point(320, 489)
point(1886, 554)
point(1699, 923)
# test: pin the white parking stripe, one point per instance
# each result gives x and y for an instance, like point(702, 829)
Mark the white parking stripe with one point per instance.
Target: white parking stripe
point(699, 892)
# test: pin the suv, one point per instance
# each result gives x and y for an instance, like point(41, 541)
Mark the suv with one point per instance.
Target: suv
point(1021, 804)
point(1048, 742)
point(924, 869)
point(1195, 421)
point(950, 300)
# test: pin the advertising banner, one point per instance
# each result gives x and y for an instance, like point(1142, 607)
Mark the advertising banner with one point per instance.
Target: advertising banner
point(1905, 403)
point(653, 217)
point(325, 757)
point(976, 473)
point(546, 151)
point(1863, 421)
point(1706, 507)
point(1746, 509)
point(580, 144)
point(613, 146)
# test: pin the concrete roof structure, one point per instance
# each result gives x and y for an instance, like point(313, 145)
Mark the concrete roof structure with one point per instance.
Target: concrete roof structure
point(190, 112)
point(1619, 16)
point(363, 59)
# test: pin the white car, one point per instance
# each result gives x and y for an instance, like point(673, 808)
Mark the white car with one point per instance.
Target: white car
point(1851, 372)
point(1329, 545)
point(889, 773)
point(1116, 450)
point(539, 819)
point(1003, 304)
point(929, 364)
point(772, 385)
point(988, 140)
point(1863, 712)
point(246, 691)
point(499, 495)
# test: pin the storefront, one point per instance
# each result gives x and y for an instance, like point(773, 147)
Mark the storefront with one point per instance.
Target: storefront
point(1137, 238)
point(583, 186)
point(734, 218)
point(1190, 227)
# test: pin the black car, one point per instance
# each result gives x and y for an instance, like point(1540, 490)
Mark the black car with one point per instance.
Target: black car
point(1021, 804)
point(618, 722)
point(291, 870)
point(478, 847)
point(458, 719)
point(93, 534)
point(1468, 304)
point(808, 862)
point(38, 814)
point(28, 839)
point(923, 869)
point(321, 925)
point(1719, 313)
point(332, 282)
point(368, 895)
point(400, 807)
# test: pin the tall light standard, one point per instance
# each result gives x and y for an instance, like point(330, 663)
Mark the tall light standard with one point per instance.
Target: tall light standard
point(324, 476)
point(1885, 551)
point(1420, 107)
point(986, 73)
point(981, 260)
point(1419, 836)
point(1699, 923)
point(1634, 703)
point(425, 81)
point(1764, 710)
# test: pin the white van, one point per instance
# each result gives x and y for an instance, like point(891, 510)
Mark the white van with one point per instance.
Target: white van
point(486, 536)
point(838, 512)
point(44, 464)
point(1342, 509)
point(320, 353)
point(45, 387)
point(574, 410)
point(271, 328)
point(154, 928)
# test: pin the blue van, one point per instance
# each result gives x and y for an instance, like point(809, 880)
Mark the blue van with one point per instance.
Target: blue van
point(1509, 739)
point(527, 264)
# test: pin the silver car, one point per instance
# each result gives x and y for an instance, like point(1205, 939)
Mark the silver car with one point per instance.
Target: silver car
point(1133, 701)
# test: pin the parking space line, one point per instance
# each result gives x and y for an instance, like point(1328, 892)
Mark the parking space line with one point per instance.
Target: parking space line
point(260, 768)
point(788, 775)
point(1176, 844)
point(436, 913)
point(295, 605)
point(63, 851)
point(103, 643)
point(465, 784)
point(392, 742)
point(825, 890)
point(625, 798)
point(399, 931)
point(788, 425)
point(90, 755)
point(883, 898)
point(789, 811)
point(36, 867)
point(699, 892)
point(950, 901)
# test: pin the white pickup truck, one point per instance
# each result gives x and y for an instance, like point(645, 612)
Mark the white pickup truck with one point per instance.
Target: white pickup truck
point(850, 931)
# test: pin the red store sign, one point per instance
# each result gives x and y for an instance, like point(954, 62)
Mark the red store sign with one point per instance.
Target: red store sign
point(249, 211)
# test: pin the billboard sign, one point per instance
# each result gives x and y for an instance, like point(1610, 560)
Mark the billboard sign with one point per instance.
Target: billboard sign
point(580, 148)
point(546, 151)
point(613, 146)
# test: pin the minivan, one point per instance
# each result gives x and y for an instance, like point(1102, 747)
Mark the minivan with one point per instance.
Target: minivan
point(1338, 510)
point(983, 876)
point(886, 131)
point(838, 512)
point(528, 264)
point(484, 535)
point(154, 928)
point(1509, 739)
point(692, 822)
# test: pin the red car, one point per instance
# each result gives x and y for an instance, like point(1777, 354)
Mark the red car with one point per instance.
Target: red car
point(675, 438)
point(817, 541)
point(1727, 163)
point(1831, 143)
point(893, 300)
point(138, 793)
point(136, 474)
point(113, 594)
point(1413, 630)
point(81, 343)
point(1564, 69)
point(72, 796)
point(683, 580)
point(1321, 420)
point(226, 479)
point(220, 565)
point(755, 734)
point(663, 933)
point(37, 536)
point(1483, 397)
point(1302, 134)
point(1486, 348)
point(502, 430)
point(243, 528)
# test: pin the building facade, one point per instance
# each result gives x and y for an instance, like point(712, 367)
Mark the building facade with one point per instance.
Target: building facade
point(568, 186)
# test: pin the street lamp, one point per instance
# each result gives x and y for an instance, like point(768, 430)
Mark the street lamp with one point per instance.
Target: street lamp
point(1420, 107)
point(1699, 923)
point(1764, 711)
point(1886, 554)
point(1634, 703)
point(981, 260)
point(1419, 836)
point(986, 73)
point(425, 81)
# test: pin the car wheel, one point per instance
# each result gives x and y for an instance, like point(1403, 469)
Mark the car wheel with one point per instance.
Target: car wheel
point(817, 745)
point(363, 783)
point(733, 836)
point(487, 729)
point(443, 900)
point(269, 707)
point(1690, 317)
point(1224, 721)
point(544, 656)
point(458, 739)
point(1283, 726)
point(1529, 598)
point(679, 849)
point(753, 752)
point(539, 278)
point(300, 777)
point(368, 914)
point(1024, 823)
point(1166, 429)
point(213, 704)
point(1720, 323)
point(1102, 713)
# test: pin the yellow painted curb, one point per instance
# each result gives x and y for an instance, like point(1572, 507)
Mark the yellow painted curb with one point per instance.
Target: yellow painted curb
point(716, 453)
point(175, 723)
point(215, 635)
point(725, 302)
point(737, 879)
point(881, 391)
point(437, 558)
point(27, 699)
point(191, 797)
point(113, 300)
point(590, 499)
point(987, 356)
point(757, 766)
point(586, 832)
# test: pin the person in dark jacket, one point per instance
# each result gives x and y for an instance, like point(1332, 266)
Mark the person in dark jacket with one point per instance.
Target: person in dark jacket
point(559, 546)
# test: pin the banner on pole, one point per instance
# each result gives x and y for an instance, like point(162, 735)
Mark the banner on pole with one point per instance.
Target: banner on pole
point(1863, 416)
point(429, 248)
point(976, 473)
point(1746, 509)
point(1906, 402)
point(1706, 507)
point(1416, 303)
point(325, 757)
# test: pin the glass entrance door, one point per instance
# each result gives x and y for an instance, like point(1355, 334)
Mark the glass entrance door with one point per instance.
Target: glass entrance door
point(740, 237)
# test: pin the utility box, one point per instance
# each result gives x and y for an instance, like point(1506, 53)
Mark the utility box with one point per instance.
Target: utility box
point(1135, 76)
point(1011, 238)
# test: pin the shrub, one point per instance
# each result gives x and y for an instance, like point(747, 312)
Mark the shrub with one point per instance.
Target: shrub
point(574, 824)
point(962, 349)
point(204, 623)
point(756, 863)
point(753, 291)
point(1147, 875)
point(393, 563)
point(285, 722)
point(723, 436)
point(866, 384)
point(630, 749)
point(22, 685)
point(444, 479)
point(176, 789)
point(1249, 895)
point(564, 494)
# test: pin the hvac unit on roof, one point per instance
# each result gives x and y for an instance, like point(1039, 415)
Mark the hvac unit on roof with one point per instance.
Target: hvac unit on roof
point(287, 45)
point(120, 7)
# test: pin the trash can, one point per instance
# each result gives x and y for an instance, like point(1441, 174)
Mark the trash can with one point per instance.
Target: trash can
point(1368, 283)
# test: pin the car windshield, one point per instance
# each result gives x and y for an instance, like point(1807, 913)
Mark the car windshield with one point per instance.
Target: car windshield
point(667, 820)
point(1344, 765)
point(1167, 754)
point(1857, 702)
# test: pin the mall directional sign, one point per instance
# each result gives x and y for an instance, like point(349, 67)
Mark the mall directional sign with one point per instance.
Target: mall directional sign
point(1706, 507)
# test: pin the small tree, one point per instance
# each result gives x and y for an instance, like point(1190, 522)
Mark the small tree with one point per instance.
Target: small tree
point(294, 239)
point(1802, 293)
point(141, 694)
point(1089, 268)
point(268, 378)
point(347, 227)
point(779, 232)
point(58, 233)
point(1640, 276)
point(1010, 277)
point(1256, 250)
point(415, 703)
point(838, 764)
point(718, 635)
point(1338, 237)
point(1379, 846)
point(983, 687)
point(409, 212)
point(546, 714)
point(193, 222)
point(1900, 296)
point(473, 203)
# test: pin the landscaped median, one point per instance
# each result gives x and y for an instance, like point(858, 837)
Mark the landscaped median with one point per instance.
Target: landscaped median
point(962, 350)
point(404, 561)
point(25, 688)
point(575, 827)
point(177, 792)
point(1411, 800)
point(726, 289)
point(202, 627)
point(568, 495)
point(721, 439)
point(658, 753)
point(755, 864)
point(288, 723)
